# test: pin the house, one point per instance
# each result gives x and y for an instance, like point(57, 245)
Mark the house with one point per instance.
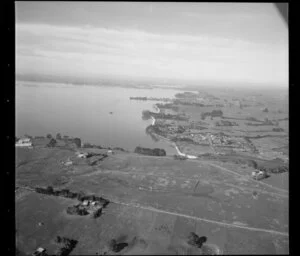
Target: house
point(68, 162)
point(110, 152)
point(81, 155)
point(259, 175)
point(39, 252)
point(85, 203)
point(24, 142)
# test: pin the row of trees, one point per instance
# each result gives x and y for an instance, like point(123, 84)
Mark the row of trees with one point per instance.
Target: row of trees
point(77, 210)
point(146, 115)
point(277, 169)
point(58, 136)
point(68, 245)
point(89, 145)
point(167, 106)
point(73, 195)
point(190, 103)
point(278, 129)
point(150, 152)
point(226, 123)
point(188, 95)
point(184, 139)
point(214, 113)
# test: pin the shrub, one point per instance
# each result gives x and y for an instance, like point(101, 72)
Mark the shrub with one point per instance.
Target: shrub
point(149, 151)
point(278, 129)
point(178, 157)
point(266, 110)
point(80, 196)
point(87, 145)
point(52, 143)
point(49, 136)
point(97, 213)
point(77, 142)
point(58, 239)
point(75, 210)
point(49, 190)
point(146, 115)
point(180, 129)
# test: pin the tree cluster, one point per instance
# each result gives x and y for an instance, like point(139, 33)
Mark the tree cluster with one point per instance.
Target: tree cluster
point(68, 194)
point(178, 157)
point(214, 113)
point(226, 123)
point(77, 210)
point(167, 106)
point(278, 129)
point(68, 245)
point(52, 143)
point(150, 152)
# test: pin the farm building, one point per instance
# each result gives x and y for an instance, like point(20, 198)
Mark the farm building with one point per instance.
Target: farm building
point(81, 155)
point(39, 252)
point(24, 142)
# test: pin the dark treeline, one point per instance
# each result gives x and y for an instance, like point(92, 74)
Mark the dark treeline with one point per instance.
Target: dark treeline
point(77, 210)
point(167, 106)
point(190, 103)
point(265, 122)
point(150, 152)
point(146, 114)
point(89, 145)
point(189, 95)
point(278, 169)
point(150, 98)
point(214, 113)
point(226, 123)
point(277, 129)
point(243, 119)
point(76, 141)
point(184, 139)
point(156, 130)
point(68, 245)
point(73, 195)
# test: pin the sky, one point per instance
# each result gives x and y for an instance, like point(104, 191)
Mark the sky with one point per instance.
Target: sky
point(219, 42)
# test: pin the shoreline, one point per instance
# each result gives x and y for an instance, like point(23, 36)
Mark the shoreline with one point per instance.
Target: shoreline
point(153, 120)
point(183, 154)
point(173, 144)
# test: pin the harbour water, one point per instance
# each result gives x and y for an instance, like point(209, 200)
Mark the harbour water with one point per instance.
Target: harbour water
point(99, 115)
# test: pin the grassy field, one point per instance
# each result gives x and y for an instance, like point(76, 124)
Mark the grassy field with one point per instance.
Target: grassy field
point(155, 203)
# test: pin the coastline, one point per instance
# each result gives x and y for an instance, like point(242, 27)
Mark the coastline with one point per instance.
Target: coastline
point(174, 144)
point(153, 120)
point(185, 155)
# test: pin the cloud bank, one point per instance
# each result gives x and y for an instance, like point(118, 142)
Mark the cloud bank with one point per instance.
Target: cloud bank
point(93, 51)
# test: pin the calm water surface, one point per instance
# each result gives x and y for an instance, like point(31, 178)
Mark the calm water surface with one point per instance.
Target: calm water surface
point(84, 111)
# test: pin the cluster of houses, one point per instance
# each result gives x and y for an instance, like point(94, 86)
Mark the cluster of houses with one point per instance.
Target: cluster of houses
point(24, 142)
point(87, 155)
point(89, 203)
point(39, 252)
point(81, 154)
point(259, 175)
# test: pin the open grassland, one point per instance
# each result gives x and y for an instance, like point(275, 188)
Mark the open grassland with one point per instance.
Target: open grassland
point(155, 203)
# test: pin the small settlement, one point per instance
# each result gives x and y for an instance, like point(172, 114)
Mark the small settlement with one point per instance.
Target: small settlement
point(24, 142)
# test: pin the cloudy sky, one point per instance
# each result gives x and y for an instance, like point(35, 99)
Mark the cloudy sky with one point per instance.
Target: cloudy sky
point(231, 42)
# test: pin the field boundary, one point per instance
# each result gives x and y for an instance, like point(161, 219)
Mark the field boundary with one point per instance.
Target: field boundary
point(202, 219)
point(149, 208)
point(255, 181)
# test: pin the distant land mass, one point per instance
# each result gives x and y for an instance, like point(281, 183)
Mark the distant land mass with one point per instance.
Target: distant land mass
point(145, 82)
